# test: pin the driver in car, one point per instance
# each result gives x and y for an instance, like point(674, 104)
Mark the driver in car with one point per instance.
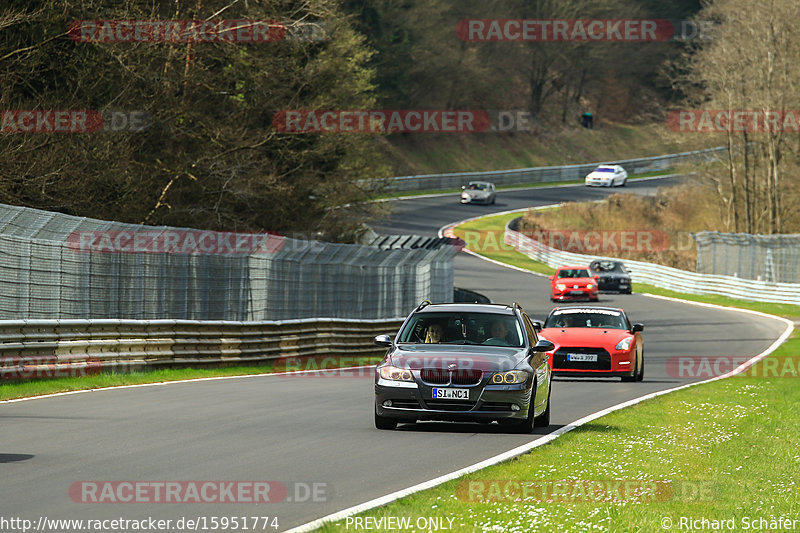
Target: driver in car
point(497, 334)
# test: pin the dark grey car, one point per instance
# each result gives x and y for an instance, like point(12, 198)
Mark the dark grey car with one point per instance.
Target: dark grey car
point(467, 363)
point(612, 276)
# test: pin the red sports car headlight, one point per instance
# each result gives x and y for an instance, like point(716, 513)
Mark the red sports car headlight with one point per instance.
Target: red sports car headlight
point(624, 344)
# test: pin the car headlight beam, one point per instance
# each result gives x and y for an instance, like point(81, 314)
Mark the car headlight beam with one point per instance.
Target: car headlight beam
point(392, 373)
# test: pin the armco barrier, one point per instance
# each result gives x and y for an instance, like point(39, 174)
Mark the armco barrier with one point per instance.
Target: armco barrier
point(544, 174)
point(57, 348)
point(661, 276)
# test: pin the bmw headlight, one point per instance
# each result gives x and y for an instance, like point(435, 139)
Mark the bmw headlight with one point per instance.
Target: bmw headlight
point(624, 344)
point(560, 286)
point(589, 286)
point(508, 378)
point(393, 373)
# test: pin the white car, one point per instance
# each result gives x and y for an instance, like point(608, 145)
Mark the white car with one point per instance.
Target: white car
point(607, 176)
point(478, 192)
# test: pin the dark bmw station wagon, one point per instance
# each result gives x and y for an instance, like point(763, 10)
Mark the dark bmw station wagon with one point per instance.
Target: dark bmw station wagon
point(464, 363)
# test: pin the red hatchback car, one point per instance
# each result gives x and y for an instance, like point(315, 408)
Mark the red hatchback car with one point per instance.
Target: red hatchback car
point(594, 341)
point(573, 283)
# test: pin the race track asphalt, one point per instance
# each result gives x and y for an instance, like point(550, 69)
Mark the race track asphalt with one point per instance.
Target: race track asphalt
point(316, 429)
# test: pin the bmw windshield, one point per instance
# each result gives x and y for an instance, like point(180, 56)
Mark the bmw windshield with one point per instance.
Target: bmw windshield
point(486, 329)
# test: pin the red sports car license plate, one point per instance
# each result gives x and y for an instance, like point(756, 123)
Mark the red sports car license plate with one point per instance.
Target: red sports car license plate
point(590, 357)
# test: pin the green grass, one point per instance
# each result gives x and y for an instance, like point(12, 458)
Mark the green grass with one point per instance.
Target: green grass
point(485, 236)
point(403, 194)
point(723, 450)
point(784, 310)
point(22, 389)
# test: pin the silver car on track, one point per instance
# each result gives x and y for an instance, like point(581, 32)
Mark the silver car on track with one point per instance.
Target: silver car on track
point(478, 192)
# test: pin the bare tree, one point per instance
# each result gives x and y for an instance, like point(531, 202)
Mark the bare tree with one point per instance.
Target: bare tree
point(750, 64)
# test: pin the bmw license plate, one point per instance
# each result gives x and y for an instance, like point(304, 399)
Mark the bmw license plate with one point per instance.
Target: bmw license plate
point(451, 394)
point(587, 357)
point(576, 292)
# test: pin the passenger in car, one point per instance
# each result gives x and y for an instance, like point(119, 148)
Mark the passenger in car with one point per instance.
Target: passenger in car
point(434, 335)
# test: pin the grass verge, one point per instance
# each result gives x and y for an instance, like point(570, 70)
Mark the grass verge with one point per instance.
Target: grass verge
point(22, 388)
point(485, 236)
point(785, 310)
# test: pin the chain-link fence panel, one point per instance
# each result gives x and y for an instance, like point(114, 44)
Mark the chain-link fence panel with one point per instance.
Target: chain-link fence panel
point(56, 266)
point(770, 258)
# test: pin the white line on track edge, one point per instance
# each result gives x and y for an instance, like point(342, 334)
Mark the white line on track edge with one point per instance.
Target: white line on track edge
point(515, 452)
point(192, 380)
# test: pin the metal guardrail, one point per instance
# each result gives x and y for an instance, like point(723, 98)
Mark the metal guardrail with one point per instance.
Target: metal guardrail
point(31, 349)
point(545, 174)
point(661, 276)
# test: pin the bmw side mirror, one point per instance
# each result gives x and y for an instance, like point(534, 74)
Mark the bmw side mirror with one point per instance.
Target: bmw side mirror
point(537, 326)
point(596, 276)
point(550, 278)
point(543, 346)
point(383, 340)
point(637, 327)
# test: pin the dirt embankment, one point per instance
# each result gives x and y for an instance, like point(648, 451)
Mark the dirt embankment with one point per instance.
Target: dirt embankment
point(655, 229)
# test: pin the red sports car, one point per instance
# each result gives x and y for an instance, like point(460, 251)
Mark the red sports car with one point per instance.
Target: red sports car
point(573, 283)
point(594, 341)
